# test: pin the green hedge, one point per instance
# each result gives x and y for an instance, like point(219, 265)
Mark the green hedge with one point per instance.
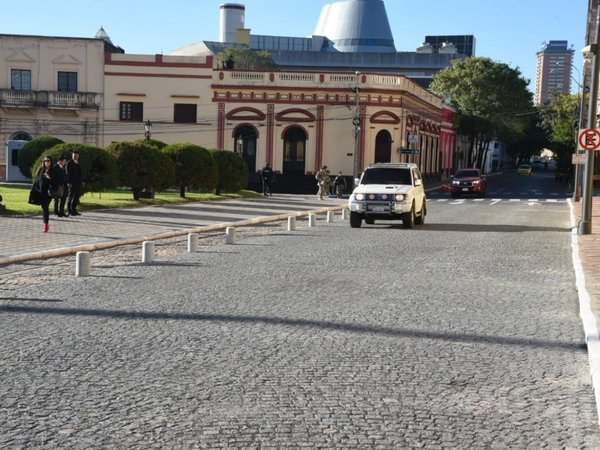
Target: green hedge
point(233, 171)
point(195, 167)
point(31, 152)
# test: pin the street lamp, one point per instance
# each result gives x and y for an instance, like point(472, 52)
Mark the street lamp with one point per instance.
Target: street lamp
point(147, 129)
point(581, 98)
point(356, 123)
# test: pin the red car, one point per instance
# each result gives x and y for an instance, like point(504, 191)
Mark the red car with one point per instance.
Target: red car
point(468, 181)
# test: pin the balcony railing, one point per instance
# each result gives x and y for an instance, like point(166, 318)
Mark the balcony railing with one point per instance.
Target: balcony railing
point(49, 99)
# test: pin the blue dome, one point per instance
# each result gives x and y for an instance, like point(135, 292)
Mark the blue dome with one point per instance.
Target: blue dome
point(356, 26)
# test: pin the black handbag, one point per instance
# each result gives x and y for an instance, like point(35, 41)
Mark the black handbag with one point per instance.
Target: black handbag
point(56, 191)
point(35, 196)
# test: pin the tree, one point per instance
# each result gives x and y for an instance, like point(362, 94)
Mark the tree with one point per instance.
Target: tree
point(492, 101)
point(142, 167)
point(31, 152)
point(536, 138)
point(243, 58)
point(233, 171)
point(195, 167)
point(559, 118)
point(98, 166)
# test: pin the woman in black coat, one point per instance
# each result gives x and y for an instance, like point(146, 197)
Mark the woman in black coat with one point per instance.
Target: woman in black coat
point(43, 181)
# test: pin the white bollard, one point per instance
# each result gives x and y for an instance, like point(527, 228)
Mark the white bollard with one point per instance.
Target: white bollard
point(82, 264)
point(291, 223)
point(147, 252)
point(330, 216)
point(312, 220)
point(345, 214)
point(230, 235)
point(192, 243)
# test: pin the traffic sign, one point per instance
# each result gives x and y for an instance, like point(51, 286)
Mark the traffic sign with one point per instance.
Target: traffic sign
point(589, 139)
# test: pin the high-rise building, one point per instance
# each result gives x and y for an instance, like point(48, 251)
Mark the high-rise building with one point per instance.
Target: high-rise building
point(553, 75)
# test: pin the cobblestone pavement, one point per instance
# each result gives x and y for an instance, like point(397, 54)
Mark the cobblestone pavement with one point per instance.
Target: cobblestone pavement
point(326, 337)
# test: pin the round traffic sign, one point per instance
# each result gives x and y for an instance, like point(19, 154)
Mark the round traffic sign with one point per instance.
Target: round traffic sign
point(589, 139)
point(356, 122)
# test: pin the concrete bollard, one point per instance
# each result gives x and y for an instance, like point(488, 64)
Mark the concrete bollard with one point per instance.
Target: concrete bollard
point(291, 223)
point(147, 252)
point(82, 264)
point(312, 220)
point(330, 216)
point(230, 235)
point(192, 243)
point(345, 214)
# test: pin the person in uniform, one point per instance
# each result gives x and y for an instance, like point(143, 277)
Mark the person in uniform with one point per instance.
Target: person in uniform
point(266, 174)
point(321, 176)
point(339, 184)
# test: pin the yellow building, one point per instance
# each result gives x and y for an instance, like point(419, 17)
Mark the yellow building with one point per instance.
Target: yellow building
point(50, 86)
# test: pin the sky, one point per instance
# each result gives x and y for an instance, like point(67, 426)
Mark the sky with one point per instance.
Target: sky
point(507, 31)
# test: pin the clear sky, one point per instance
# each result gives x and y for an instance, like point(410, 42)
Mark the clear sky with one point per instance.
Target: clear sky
point(508, 31)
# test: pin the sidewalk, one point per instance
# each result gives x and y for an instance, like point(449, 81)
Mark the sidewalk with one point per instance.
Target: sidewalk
point(22, 237)
point(586, 261)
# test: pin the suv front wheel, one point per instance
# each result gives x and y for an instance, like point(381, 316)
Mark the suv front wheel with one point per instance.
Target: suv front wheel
point(408, 219)
point(355, 220)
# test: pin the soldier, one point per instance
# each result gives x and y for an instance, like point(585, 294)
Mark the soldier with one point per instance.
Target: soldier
point(339, 184)
point(320, 177)
point(266, 174)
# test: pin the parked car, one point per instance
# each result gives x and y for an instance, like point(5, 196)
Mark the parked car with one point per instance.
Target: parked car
point(524, 169)
point(389, 191)
point(468, 181)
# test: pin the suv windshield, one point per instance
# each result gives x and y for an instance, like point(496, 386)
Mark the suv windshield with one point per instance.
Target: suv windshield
point(386, 176)
point(467, 173)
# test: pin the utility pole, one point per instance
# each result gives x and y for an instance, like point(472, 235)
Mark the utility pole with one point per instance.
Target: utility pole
point(356, 123)
point(585, 224)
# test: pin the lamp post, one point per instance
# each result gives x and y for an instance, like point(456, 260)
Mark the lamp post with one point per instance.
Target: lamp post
point(356, 123)
point(147, 129)
point(581, 97)
point(585, 224)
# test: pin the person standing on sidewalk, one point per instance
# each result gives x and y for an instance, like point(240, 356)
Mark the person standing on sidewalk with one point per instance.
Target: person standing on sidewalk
point(74, 182)
point(60, 180)
point(321, 178)
point(43, 179)
point(266, 174)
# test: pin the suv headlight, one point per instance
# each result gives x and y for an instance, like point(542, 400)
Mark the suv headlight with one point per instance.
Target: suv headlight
point(359, 197)
point(399, 197)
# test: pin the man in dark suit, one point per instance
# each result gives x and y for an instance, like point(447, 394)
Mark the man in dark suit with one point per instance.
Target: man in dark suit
point(74, 182)
point(60, 179)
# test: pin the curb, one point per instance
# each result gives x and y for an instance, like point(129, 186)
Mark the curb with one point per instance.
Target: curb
point(65, 251)
point(588, 319)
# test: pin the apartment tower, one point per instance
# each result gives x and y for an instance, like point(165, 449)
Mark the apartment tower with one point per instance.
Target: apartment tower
point(553, 75)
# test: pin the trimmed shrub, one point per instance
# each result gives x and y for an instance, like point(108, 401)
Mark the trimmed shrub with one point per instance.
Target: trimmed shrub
point(158, 144)
point(98, 166)
point(142, 167)
point(233, 171)
point(31, 152)
point(195, 167)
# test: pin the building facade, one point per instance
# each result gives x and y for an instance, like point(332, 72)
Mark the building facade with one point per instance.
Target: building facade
point(50, 86)
point(553, 74)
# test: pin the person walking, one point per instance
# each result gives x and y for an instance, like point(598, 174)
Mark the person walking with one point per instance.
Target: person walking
point(266, 174)
point(43, 180)
point(339, 184)
point(60, 181)
point(74, 183)
point(321, 178)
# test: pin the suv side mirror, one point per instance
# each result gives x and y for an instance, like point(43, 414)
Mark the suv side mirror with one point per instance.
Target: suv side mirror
point(356, 181)
point(418, 182)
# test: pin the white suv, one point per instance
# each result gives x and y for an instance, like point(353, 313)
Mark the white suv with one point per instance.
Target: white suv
point(389, 191)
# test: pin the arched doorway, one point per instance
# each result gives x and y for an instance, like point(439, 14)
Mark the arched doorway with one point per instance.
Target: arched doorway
point(383, 147)
point(245, 145)
point(294, 151)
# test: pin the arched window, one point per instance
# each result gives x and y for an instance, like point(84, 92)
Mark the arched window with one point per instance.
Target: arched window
point(383, 147)
point(21, 136)
point(245, 145)
point(294, 151)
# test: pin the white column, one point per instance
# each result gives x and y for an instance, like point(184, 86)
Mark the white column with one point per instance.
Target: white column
point(330, 216)
point(312, 220)
point(192, 243)
point(82, 264)
point(291, 223)
point(147, 252)
point(345, 214)
point(230, 235)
